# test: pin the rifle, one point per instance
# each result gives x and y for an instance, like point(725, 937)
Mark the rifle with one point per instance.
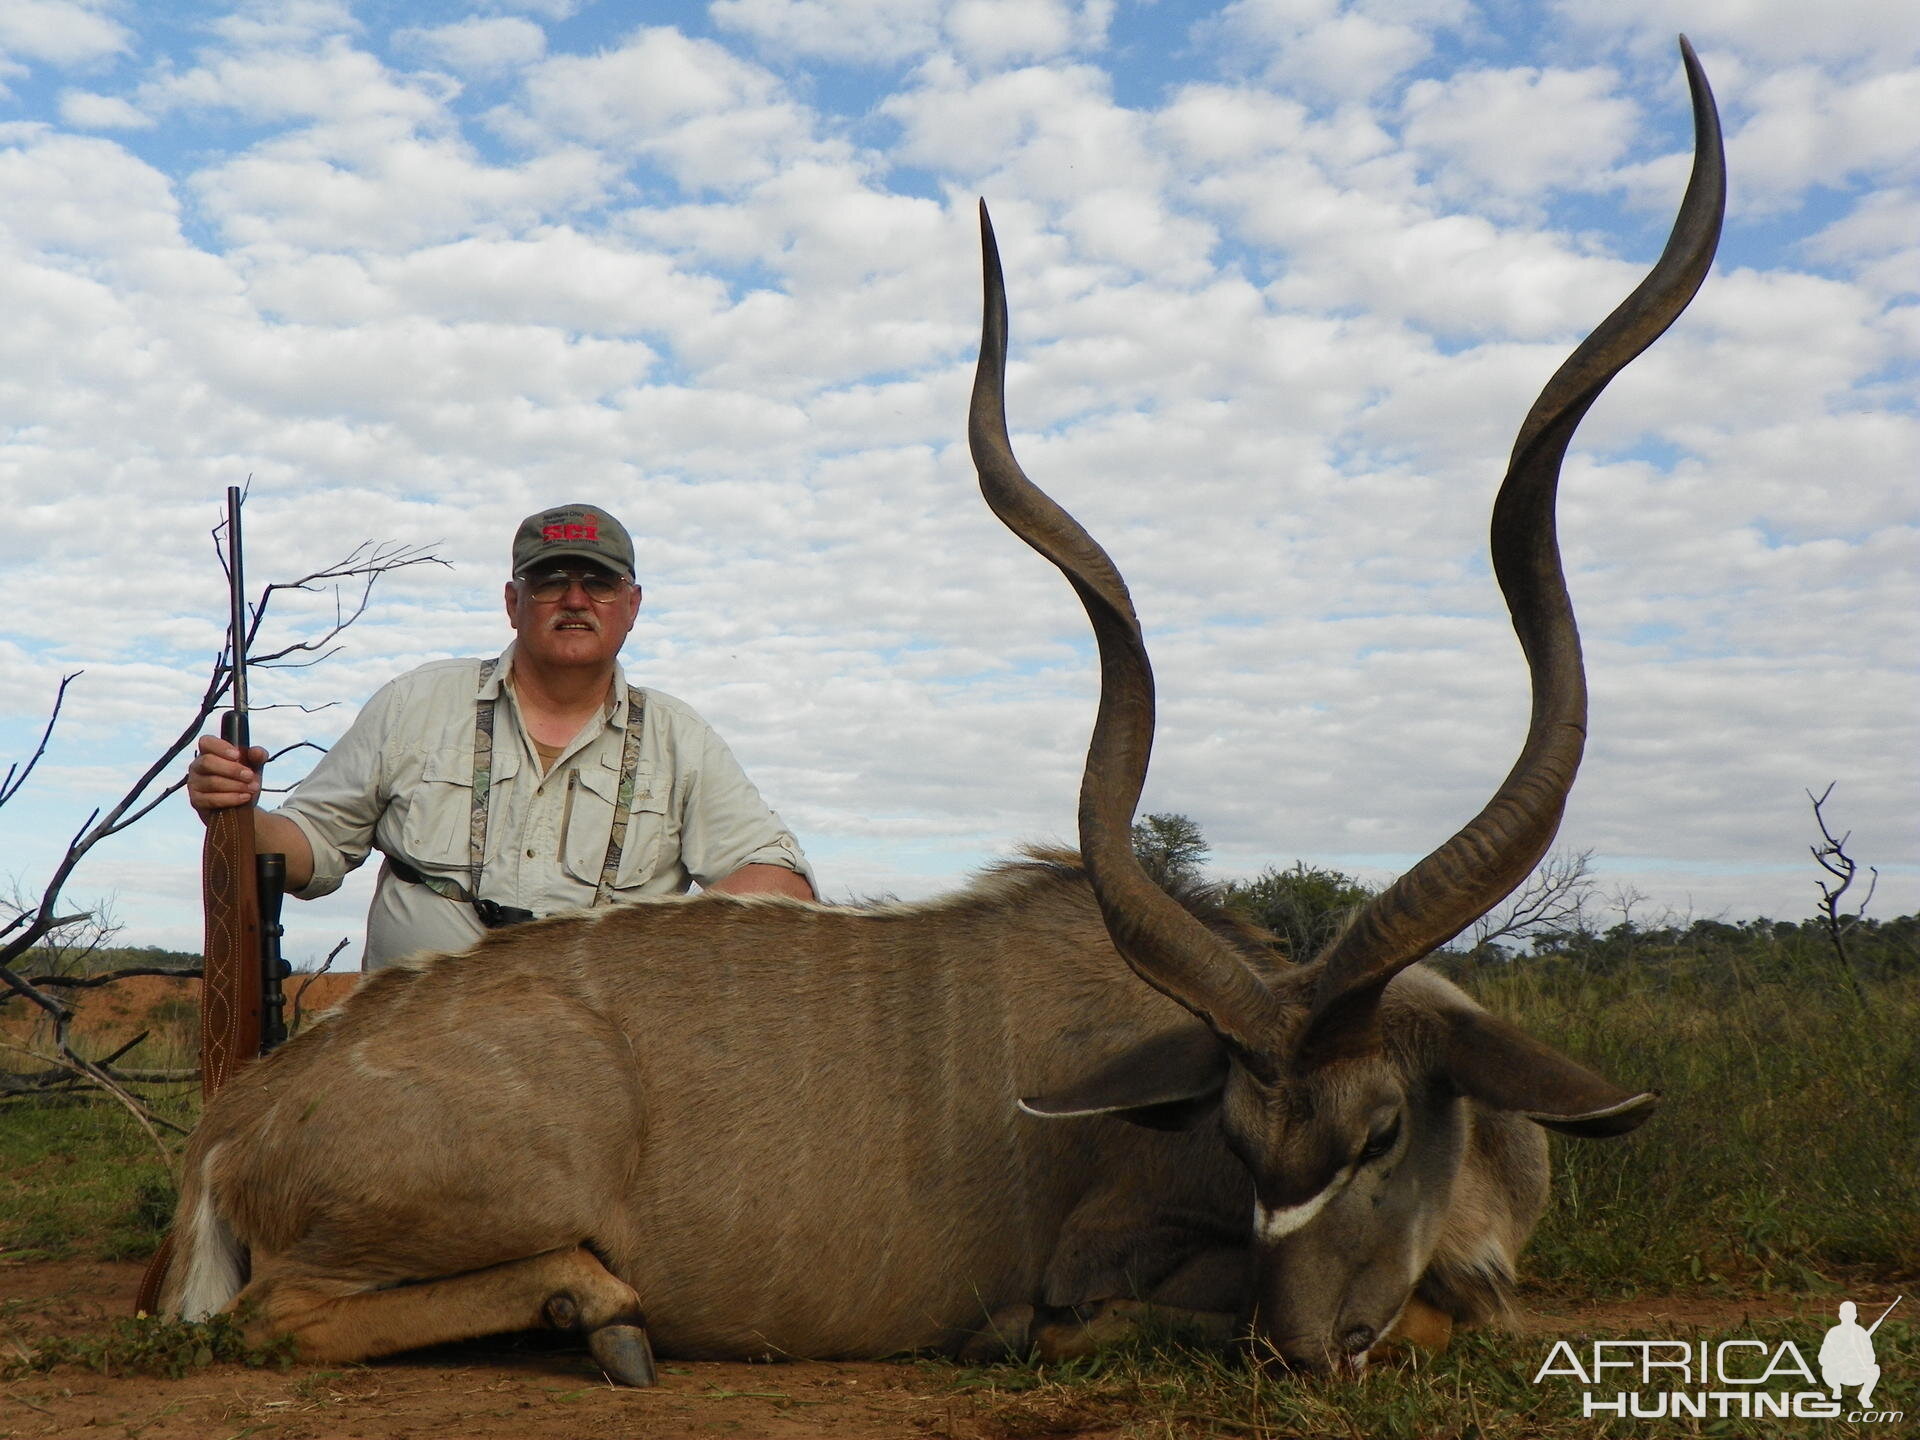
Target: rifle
point(240, 998)
point(241, 1001)
point(1884, 1313)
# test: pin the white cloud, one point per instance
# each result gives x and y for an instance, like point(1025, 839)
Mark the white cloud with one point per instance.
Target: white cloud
point(304, 191)
point(1353, 247)
point(997, 32)
point(1212, 125)
point(986, 33)
point(86, 111)
point(1809, 129)
point(1776, 32)
point(711, 119)
point(1329, 51)
point(482, 47)
point(59, 32)
point(658, 79)
point(558, 279)
point(335, 81)
point(83, 196)
point(1050, 135)
point(1883, 222)
point(870, 31)
point(546, 9)
point(267, 24)
point(1519, 132)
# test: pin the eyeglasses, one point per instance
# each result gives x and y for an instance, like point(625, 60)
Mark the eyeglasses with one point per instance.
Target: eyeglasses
point(551, 585)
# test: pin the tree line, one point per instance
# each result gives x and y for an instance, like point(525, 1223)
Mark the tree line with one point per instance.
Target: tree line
point(1560, 917)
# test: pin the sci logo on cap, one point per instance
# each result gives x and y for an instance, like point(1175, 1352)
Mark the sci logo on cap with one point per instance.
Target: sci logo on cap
point(589, 529)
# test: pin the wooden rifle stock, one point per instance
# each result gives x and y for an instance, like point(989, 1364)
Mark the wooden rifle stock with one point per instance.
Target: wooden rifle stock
point(230, 1032)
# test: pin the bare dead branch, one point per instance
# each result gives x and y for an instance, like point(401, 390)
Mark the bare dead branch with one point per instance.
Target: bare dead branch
point(59, 1080)
point(108, 977)
point(16, 776)
point(66, 1058)
point(1831, 856)
point(367, 561)
point(293, 1025)
point(59, 922)
point(33, 923)
point(1555, 897)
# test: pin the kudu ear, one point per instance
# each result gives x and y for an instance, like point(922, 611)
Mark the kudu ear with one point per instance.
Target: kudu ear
point(1505, 1068)
point(1169, 1082)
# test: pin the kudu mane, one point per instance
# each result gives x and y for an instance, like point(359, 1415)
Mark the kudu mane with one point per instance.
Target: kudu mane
point(1038, 876)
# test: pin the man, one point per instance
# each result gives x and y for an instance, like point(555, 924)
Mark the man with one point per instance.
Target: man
point(505, 789)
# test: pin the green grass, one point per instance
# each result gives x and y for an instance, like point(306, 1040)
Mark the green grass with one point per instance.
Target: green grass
point(1785, 1153)
point(83, 1182)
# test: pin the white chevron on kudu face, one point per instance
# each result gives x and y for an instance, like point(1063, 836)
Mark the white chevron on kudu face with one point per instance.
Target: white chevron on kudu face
point(1278, 1224)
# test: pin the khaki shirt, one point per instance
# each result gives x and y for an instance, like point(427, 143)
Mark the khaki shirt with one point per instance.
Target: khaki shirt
point(401, 781)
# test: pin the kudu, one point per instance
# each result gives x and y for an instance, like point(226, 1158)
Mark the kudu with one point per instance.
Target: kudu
point(785, 1128)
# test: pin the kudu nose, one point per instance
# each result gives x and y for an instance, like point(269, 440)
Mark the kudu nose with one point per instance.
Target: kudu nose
point(1358, 1339)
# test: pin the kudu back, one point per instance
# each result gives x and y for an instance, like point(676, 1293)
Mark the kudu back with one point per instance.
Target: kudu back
point(737, 1128)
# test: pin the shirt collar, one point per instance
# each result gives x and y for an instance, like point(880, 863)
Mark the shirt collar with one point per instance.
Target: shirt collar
point(503, 667)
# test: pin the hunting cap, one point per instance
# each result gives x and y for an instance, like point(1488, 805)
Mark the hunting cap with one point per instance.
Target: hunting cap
point(572, 532)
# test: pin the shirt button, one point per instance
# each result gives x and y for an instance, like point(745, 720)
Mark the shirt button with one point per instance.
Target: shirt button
point(529, 854)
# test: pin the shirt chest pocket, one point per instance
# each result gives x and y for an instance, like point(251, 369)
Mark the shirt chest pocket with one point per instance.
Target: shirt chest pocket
point(594, 804)
point(436, 824)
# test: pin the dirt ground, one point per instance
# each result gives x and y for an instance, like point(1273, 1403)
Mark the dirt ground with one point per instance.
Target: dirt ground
point(534, 1389)
point(530, 1389)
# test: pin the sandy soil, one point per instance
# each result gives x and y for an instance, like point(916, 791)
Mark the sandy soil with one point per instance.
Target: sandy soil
point(521, 1388)
point(536, 1389)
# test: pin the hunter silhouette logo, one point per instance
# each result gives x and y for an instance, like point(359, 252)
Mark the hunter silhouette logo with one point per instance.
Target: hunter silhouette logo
point(1846, 1355)
point(1728, 1379)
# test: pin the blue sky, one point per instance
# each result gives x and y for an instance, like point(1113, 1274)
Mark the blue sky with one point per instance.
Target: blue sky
point(1285, 275)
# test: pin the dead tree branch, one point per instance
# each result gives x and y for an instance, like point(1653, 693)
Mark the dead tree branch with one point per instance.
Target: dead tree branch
point(1554, 898)
point(1831, 856)
point(108, 977)
point(33, 922)
point(300, 995)
point(16, 775)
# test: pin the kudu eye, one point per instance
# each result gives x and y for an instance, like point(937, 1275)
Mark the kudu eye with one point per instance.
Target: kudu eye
point(1379, 1142)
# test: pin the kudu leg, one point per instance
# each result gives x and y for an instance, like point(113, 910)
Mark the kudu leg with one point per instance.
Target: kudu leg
point(565, 1290)
point(1421, 1327)
point(1201, 1299)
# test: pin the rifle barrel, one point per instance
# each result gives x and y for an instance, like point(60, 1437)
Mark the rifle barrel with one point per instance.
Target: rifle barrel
point(1884, 1313)
point(237, 604)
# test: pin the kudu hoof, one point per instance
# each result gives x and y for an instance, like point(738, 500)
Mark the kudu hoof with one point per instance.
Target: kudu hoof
point(1075, 1332)
point(625, 1353)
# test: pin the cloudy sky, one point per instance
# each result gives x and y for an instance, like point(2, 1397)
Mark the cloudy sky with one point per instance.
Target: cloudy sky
point(1285, 275)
